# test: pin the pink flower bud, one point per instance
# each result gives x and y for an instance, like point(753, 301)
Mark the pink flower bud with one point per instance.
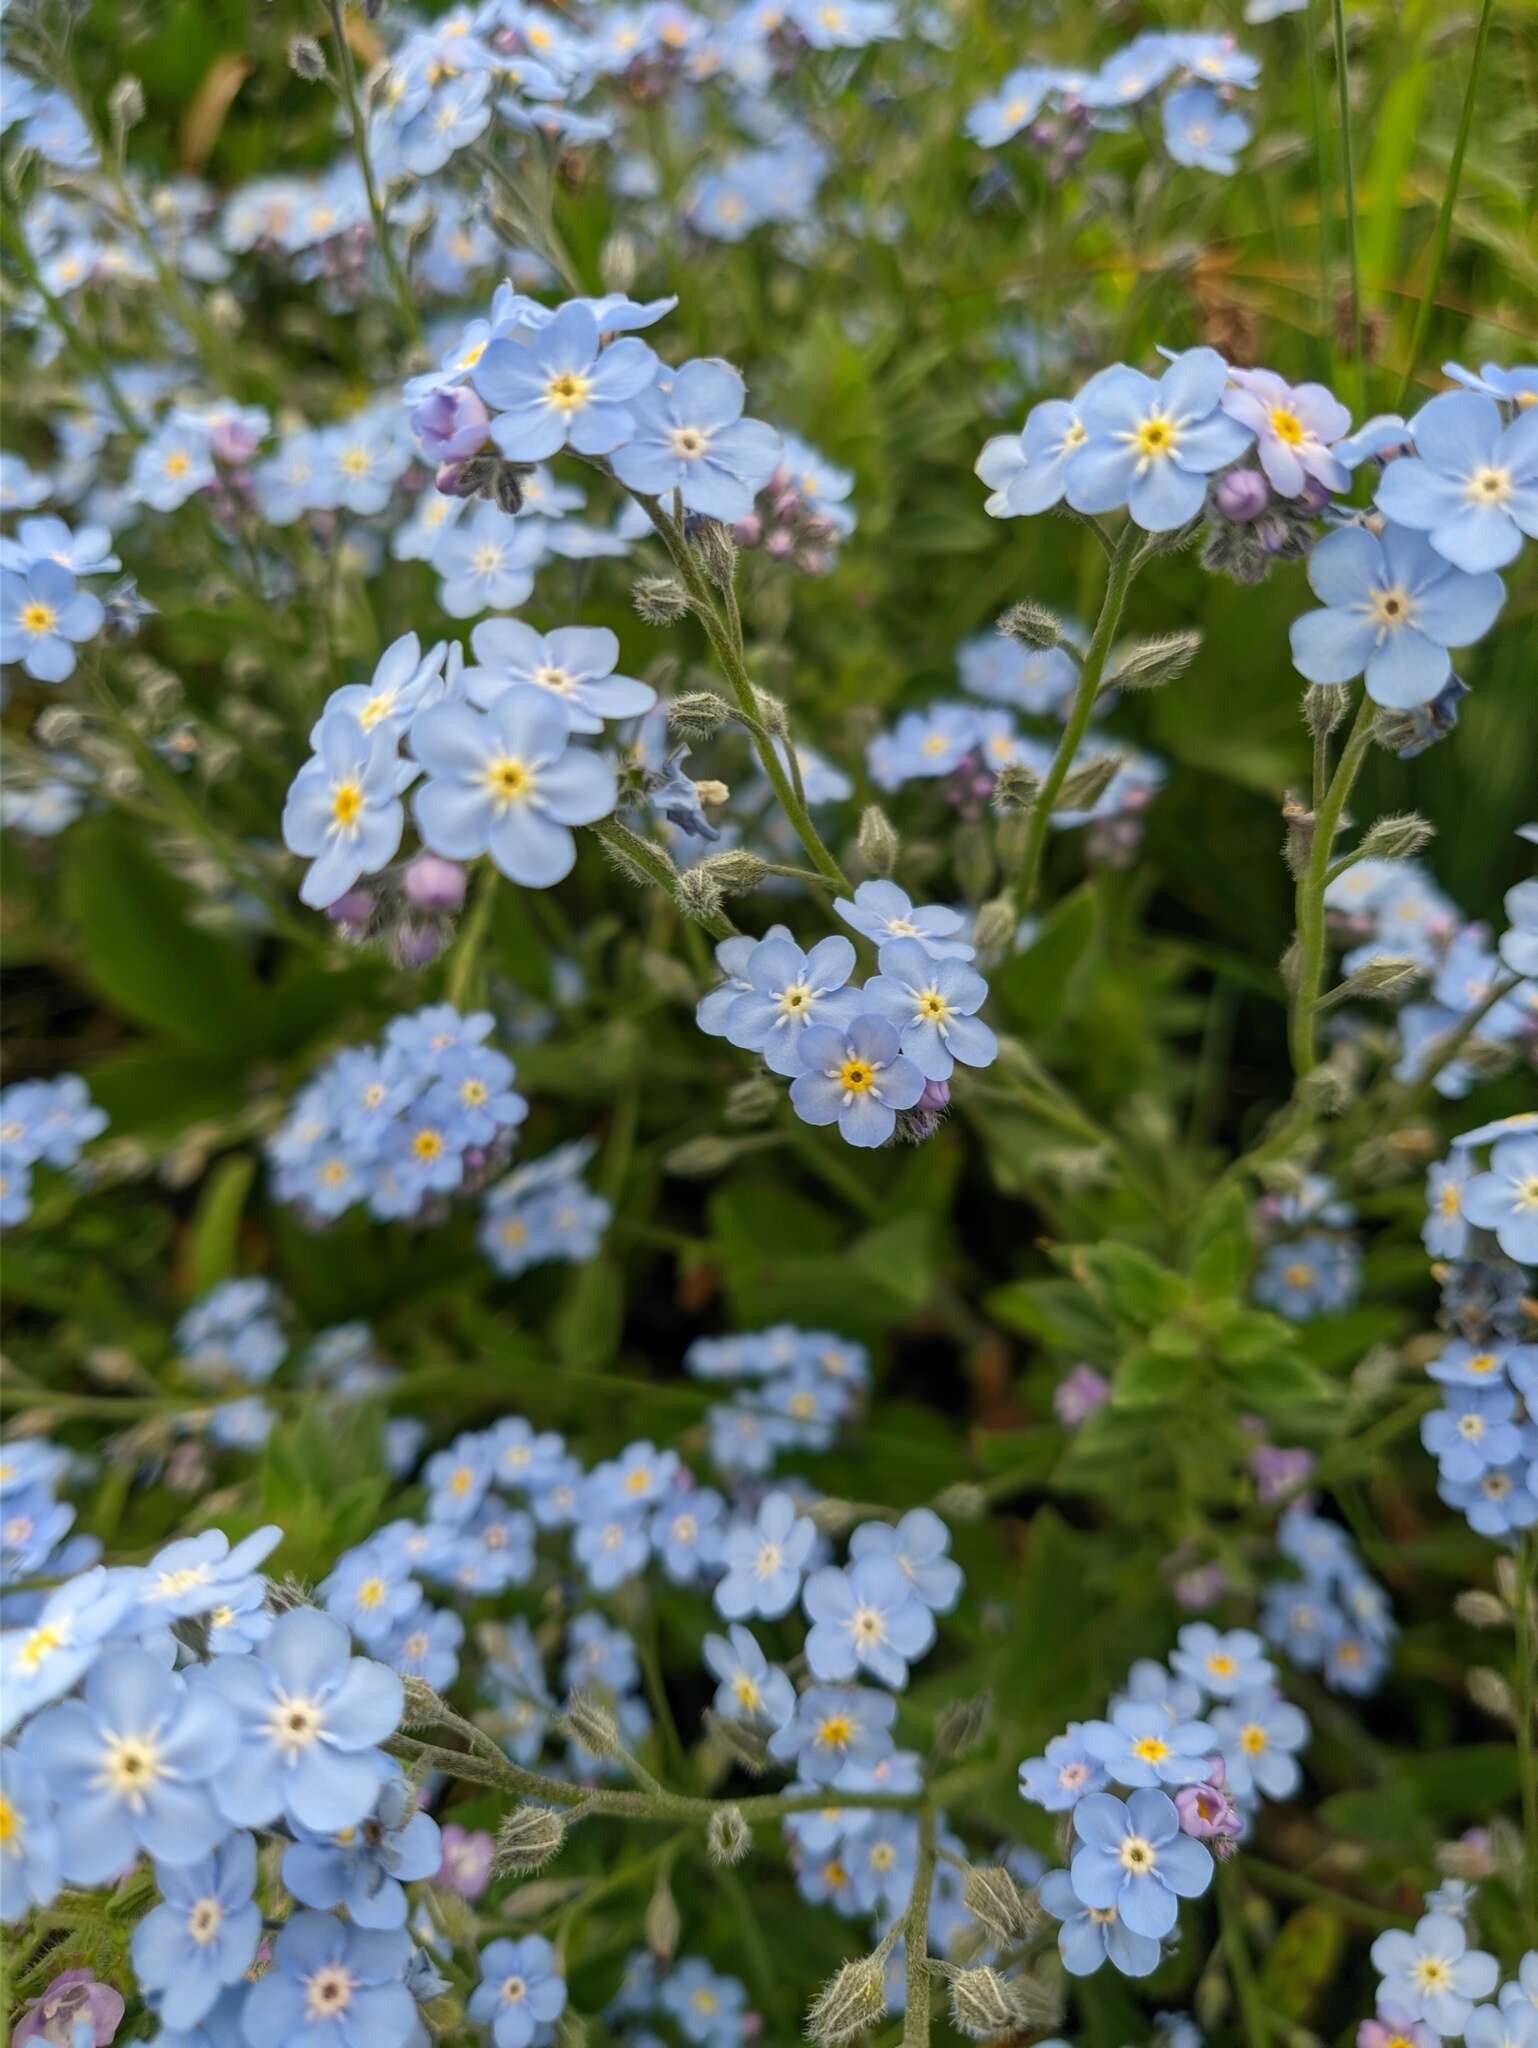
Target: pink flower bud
point(1242, 495)
point(434, 884)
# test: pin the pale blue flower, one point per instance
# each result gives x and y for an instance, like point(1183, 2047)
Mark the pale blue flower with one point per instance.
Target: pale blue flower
point(508, 782)
point(1200, 130)
point(689, 436)
point(43, 618)
point(1433, 1974)
point(1135, 1858)
point(1394, 607)
point(1472, 483)
point(343, 811)
point(204, 1936)
point(789, 992)
point(856, 1076)
point(555, 386)
point(574, 663)
point(931, 1003)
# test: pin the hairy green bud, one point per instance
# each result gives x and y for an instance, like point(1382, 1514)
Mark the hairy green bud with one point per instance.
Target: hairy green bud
point(697, 714)
point(848, 2003)
point(1388, 976)
point(877, 843)
point(717, 551)
point(998, 1903)
point(1324, 706)
point(528, 1839)
point(1015, 789)
point(960, 1725)
point(1150, 664)
point(728, 1838)
point(1399, 837)
point(1032, 625)
point(590, 1723)
point(660, 600)
point(1087, 785)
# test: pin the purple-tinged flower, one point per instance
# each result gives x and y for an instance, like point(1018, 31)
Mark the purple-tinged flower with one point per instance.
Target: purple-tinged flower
point(1058, 1780)
point(451, 425)
point(1293, 426)
point(1206, 1811)
point(1079, 1396)
point(1472, 483)
point(1393, 2028)
point(466, 1863)
point(74, 2009)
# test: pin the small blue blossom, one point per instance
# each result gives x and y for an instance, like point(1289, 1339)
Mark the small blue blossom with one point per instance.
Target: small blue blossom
point(1141, 1745)
point(363, 1868)
point(43, 618)
point(865, 1619)
point(1090, 1936)
point(1472, 483)
point(555, 387)
point(29, 1841)
point(1225, 1664)
point(574, 663)
point(1201, 131)
point(765, 1559)
point(203, 1938)
point(1393, 608)
point(1433, 1974)
point(931, 1003)
point(521, 1990)
point(327, 1975)
point(857, 1076)
point(1504, 1198)
point(1259, 1734)
point(788, 993)
point(750, 1688)
point(689, 436)
point(344, 812)
point(1151, 445)
point(508, 782)
point(833, 1727)
point(1058, 1780)
point(917, 1544)
point(1472, 1432)
point(1135, 1858)
point(44, 1659)
point(1314, 1276)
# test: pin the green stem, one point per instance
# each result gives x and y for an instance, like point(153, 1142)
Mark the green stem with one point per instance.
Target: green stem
point(80, 346)
point(916, 1936)
point(346, 71)
point(640, 853)
point(1348, 181)
point(1316, 99)
point(471, 938)
point(1119, 574)
point(1289, 1885)
point(1241, 1970)
point(1527, 1719)
point(1311, 887)
point(1410, 1096)
point(726, 644)
point(1444, 225)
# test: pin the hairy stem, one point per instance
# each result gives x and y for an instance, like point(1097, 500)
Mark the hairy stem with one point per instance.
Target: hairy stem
point(1119, 574)
point(916, 1936)
point(336, 11)
point(1311, 888)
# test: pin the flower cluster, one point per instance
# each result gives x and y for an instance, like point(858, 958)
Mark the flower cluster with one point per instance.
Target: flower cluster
point(1195, 1747)
point(792, 1389)
point(1336, 1619)
point(428, 1113)
point(1482, 1229)
point(862, 1058)
point(1059, 111)
point(42, 1123)
point(543, 1211)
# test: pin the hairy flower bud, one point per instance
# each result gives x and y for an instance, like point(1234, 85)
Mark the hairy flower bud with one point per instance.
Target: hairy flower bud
point(983, 2004)
point(697, 714)
point(717, 551)
point(1388, 976)
point(743, 1743)
point(660, 600)
point(958, 1728)
point(1087, 785)
point(528, 1839)
point(701, 1158)
point(125, 104)
point(1150, 664)
point(591, 1724)
point(994, 1899)
point(431, 883)
point(994, 927)
point(1491, 1692)
point(1324, 706)
point(1242, 495)
point(877, 843)
point(1032, 625)
point(728, 1838)
point(1399, 837)
point(730, 874)
point(307, 59)
point(1480, 1609)
point(1015, 789)
point(662, 1923)
point(962, 1502)
point(700, 895)
point(848, 2003)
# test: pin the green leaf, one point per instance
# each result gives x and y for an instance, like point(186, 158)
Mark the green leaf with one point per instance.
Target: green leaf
point(1057, 1311)
point(1036, 986)
point(1151, 1379)
point(588, 1323)
point(1222, 1250)
point(1303, 1960)
point(1138, 1288)
point(211, 1241)
point(137, 941)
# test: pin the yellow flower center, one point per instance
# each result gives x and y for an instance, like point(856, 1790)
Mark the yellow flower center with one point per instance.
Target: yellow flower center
point(1252, 1739)
point(857, 1076)
point(10, 1823)
point(1151, 1749)
point(746, 1694)
point(355, 461)
point(933, 1007)
point(1432, 1973)
point(1221, 1666)
point(39, 1646)
point(346, 803)
point(176, 463)
point(1287, 426)
point(568, 392)
point(1155, 438)
point(371, 1592)
point(508, 780)
point(1137, 1856)
point(834, 1731)
point(38, 617)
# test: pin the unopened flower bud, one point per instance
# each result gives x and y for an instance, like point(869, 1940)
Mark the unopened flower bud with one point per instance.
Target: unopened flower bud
point(1015, 788)
point(414, 945)
point(431, 883)
point(728, 1838)
point(732, 874)
point(591, 1724)
point(307, 59)
point(466, 476)
point(528, 1839)
point(125, 104)
point(963, 1502)
point(700, 895)
point(1480, 1609)
point(697, 714)
point(743, 1743)
point(998, 1903)
point(352, 910)
point(1087, 785)
point(1324, 706)
point(1242, 495)
point(982, 2004)
point(833, 1517)
point(660, 600)
point(662, 1924)
point(717, 551)
point(1032, 625)
point(1150, 664)
point(1397, 838)
point(752, 1102)
point(1388, 976)
point(848, 2003)
point(960, 1725)
point(877, 842)
point(1490, 1691)
point(451, 424)
point(994, 927)
point(507, 481)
